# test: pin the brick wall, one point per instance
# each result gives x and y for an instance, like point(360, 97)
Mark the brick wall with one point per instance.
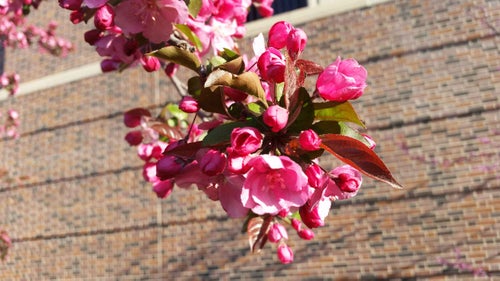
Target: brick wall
point(77, 208)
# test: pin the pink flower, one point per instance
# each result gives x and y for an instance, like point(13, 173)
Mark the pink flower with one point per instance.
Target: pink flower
point(278, 34)
point(342, 80)
point(189, 105)
point(315, 175)
point(274, 184)
point(271, 65)
point(309, 140)
point(236, 163)
point(213, 162)
point(314, 216)
point(163, 188)
point(150, 64)
point(154, 18)
point(285, 254)
point(94, 3)
point(275, 117)
point(296, 42)
point(345, 184)
point(245, 140)
point(230, 196)
point(104, 17)
point(276, 233)
point(132, 118)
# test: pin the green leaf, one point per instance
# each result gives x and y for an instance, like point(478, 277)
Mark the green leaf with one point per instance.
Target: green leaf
point(235, 66)
point(178, 56)
point(359, 156)
point(217, 60)
point(176, 112)
point(334, 111)
point(229, 54)
point(247, 82)
point(305, 111)
point(194, 7)
point(256, 108)
point(222, 133)
point(192, 37)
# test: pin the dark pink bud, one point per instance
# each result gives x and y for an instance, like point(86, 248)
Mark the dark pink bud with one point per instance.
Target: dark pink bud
point(285, 254)
point(93, 36)
point(309, 140)
point(245, 140)
point(296, 224)
point(70, 4)
point(315, 217)
point(163, 188)
point(213, 162)
point(132, 118)
point(342, 80)
point(306, 234)
point(108, 65)
point(171, 69)
point(278, 34)
point(104, 17)
point(271, 65)
point(348, 179)
point(76, 16)
point(150, 64)
point(134, 137)
point(275, 117)
point(296, 42)
point(276, 233)
point(168, 167)
point(189, 105)
point(315, 175)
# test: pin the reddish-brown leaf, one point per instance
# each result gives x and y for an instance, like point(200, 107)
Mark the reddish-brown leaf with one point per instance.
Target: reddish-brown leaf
point(187, 150)
point(257, 232)
point(359, 156)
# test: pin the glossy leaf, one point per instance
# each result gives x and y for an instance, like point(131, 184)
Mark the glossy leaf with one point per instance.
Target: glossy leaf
point(359, 156)
point(194, 7)
point(167, 131)
point(235, 66)
point(178, 56)
point(212, 100)
point(308, 67)
point(335, 111)
point(257, 232)
point(303, 115)
point(187, 150)
point(191, 36)
point(247, 82)
point(222, 133)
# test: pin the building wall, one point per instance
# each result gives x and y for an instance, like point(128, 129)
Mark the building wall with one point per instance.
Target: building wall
point(76, 206)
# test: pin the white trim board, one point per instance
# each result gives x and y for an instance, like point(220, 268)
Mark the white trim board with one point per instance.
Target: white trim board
point(320, 9)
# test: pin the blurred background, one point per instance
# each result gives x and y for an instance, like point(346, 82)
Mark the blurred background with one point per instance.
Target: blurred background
point(74, 202)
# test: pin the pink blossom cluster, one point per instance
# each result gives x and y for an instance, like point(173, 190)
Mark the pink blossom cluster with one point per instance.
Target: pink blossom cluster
point(124, 31)
point(264, 164)
point(10, 126)
point(15, 32)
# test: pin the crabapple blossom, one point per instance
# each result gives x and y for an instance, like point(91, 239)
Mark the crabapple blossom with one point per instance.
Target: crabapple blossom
point(213, 162)
point(342, 80)
point(150, 64)
point(168, 167)
point(189, 104)
point(285, 254)
point(345, 184)
point(314, 216)
point(274, 184)
point(133, 117)
point(271, 65)
point(306, 234)
point(245, 140)
point(276, 232)
point(152, 18)
point(309, 140)
point(104, 17)
point(296, 42)
point(229, 196)
point(163, 188)
point(278, 34)
point(134, 138)
point(275, 117)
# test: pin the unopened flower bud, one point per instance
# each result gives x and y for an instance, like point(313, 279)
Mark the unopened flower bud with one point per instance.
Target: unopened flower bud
point(134, 137)
point(306, 234)
point(163, 188)
point(275, 117)
point(296, 224)
point(92, 36)
point(285, 254)
point(271, 65)
point(76, 16)
point(213, 162)
point(315, 217)
point(70, 4)
point(104, 17)
point(132, 118)
point(309, 140)
point(278, 34)
point(108, 65)
point(150, 64)
point(168, 167)
point(276, 233)
point(296, 42)
point(189, 105)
